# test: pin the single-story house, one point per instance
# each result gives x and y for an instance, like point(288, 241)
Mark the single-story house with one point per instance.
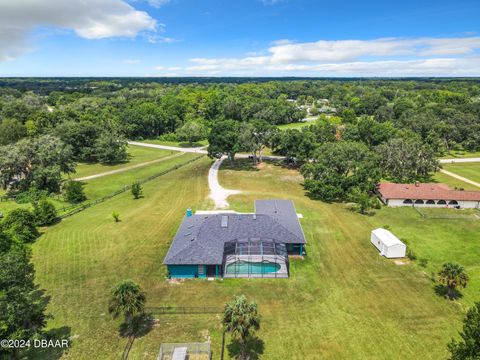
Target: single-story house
point(387, 243)
point(229, 244)
point(427, 195)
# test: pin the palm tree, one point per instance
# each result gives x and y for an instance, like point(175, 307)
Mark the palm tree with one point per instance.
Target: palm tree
point(126, 298)
point(241, 319)
point(452, 276)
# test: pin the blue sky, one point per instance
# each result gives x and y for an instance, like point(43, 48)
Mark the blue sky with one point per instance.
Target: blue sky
point(239, 38)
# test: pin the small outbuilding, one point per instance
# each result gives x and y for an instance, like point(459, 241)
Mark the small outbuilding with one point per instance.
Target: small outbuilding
point(388, 244)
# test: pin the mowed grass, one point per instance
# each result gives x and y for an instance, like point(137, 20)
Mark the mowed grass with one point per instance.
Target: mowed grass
point(453, 182)
point(176, 143)
point(461, 154)
point(470, 171)
point(296, 125)
point(137, 155)
point(80, 259)
point(105, 185)
point(343, 301)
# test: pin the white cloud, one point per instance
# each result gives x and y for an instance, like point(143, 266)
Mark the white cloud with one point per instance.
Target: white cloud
point(90, 19)
point(378, 57)
point(131, 61)
point(171, 68)
point(157, 3)
point(348, 50)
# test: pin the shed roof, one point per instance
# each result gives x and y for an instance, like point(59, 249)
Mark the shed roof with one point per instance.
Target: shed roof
point(387, 237)
point(425, 192)
point(200, 239)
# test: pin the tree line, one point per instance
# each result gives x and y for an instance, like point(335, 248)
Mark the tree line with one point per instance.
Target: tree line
point(390, 129)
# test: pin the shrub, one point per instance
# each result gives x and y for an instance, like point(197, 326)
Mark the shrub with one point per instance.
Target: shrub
point(73, 192)
point(168, 137)
point(44, 212)
point(116, 216)
point(136, 190)
point(30, 196)
point(423, 262)
point(20, 225)
point(411, 255)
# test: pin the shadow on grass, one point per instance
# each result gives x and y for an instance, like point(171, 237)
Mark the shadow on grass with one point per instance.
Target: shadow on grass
point(442, 290)
point(255, 348)
point(190, 145)
point(61, 336)
point(140, 326)
point(51, 352)
point(239, 165)
point(355, 209)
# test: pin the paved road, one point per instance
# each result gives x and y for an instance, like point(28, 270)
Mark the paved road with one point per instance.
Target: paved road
point(464, 179)
point(460, 160)
point(116, 171)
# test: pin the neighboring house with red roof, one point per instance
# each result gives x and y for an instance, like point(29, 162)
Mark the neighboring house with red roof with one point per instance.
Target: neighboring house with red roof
point(427, 195)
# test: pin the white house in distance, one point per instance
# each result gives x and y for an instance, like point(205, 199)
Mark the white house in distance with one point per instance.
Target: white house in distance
point(427, 195)
point(388, 244)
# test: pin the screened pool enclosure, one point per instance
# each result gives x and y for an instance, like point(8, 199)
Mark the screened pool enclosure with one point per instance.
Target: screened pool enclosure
point(252, 258)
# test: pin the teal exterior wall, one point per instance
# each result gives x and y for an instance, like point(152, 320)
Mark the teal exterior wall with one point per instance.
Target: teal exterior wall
point(295, 249)
point(186, 271)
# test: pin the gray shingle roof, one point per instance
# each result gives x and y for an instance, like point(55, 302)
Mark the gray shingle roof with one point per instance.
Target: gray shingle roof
point(200, 239)
point(282, 211)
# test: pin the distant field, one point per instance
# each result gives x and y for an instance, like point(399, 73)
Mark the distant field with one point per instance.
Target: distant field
point(453, 182)
point(336, 301)
point(470, 171)
point(99, 187)
point(96, 188)
point(461, 154)
point(297, 125)
point(137, 155)
point(176, 143)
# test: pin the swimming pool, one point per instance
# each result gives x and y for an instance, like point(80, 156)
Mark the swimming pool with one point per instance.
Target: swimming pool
point(246, 267)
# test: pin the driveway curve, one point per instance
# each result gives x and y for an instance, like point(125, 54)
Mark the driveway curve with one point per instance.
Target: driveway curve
point(218, 193)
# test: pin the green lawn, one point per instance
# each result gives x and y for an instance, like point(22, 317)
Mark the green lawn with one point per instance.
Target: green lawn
point(176, 143)
point(470, 171)
point(137, 155)
point(461, 154)
point(99, 187)
point(342, 301)
point(297, 125)
point(453, 182)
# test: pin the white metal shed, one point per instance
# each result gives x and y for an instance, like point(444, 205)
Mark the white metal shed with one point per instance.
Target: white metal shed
point(388, 244)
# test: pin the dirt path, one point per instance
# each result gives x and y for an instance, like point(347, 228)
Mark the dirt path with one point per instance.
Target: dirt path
point(116, 171)
point(218, 194)
point(464, 179)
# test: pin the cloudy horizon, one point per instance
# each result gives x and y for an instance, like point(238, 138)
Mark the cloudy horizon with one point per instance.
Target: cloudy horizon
point(261, 38)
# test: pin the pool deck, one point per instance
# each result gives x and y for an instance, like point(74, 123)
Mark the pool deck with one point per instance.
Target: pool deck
point(280, 273)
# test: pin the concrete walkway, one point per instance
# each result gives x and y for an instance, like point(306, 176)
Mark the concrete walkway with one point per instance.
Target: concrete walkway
point(464, 179)
point(116, 171)
point(460, 160)
point(218, 194)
